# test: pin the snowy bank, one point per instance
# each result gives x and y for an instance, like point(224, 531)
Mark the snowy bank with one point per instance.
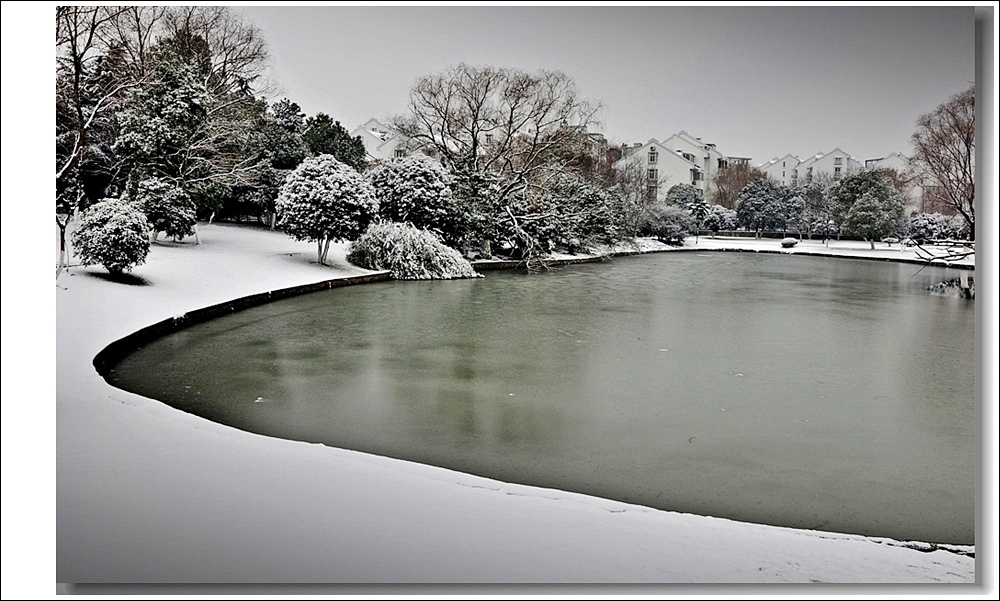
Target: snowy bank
point(146, 493)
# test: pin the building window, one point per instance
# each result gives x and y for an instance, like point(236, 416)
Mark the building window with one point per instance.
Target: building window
point(838, 161)
point(400, 153)
point(723, 163)
point(652, 175)
point(695, 175)
point(836, 173)
point(652, 156)
point(489, 138)
point(651, 192)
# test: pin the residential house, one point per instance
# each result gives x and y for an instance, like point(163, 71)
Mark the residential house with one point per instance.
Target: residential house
point(663, 166)
point(704, 154)
point(782, 170)
point(381, 141)
point(834, 165)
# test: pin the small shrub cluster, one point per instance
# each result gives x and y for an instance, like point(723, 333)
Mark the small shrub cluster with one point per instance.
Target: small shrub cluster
point(668, 224)
point(169, 209)
point(934, 226)
point(113, 233)
point(408, 253)
point(789, 242)
point(418, 190)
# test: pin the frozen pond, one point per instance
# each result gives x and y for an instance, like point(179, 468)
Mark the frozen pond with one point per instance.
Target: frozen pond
point(807, 392)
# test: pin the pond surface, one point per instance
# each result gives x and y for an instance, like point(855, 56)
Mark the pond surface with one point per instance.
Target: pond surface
point(806, 392)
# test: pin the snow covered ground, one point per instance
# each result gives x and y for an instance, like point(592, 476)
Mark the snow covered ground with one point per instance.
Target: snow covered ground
point(149, 494)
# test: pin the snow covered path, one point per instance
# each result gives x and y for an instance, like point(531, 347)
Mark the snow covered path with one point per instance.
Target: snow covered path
point(146, 493)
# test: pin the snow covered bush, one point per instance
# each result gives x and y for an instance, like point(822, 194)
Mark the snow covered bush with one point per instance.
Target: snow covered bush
point(417, 190)
point(113, 233)
point(408, 253)
point(934, 226)
point(789, 242)
point(875, 215)
point(719, 218)
point(168, 208)
point(682, 195)
point(325, 200)
point(761, 206)
point(668, 223)
point(568, 213)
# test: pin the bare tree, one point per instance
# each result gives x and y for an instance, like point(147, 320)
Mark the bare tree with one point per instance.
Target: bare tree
point(131, 35)
point(496, 120)
point(730, 181)
point(234, 52)
point(944, 148)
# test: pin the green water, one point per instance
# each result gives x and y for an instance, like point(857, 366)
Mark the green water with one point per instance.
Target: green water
point(806, 392)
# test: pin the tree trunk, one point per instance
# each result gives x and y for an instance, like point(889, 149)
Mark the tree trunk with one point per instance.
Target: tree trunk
point(326, 251)
point(63, 248)
point(197, 238)
point(872, 242)
point(273, 218)
point(319, 251)
point(211, 217)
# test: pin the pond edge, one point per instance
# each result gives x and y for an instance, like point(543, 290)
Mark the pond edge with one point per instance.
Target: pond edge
point(113, 353)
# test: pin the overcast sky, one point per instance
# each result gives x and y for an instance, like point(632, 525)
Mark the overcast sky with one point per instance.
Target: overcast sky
point(757, 81)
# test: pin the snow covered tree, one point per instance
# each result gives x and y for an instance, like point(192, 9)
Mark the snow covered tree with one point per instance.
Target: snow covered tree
point(815, 215)
point(760, 206)
point(113, 233)
point(417, 190)
point(883, 199)
point(699, 210)
point(192, 119)
point(944, 153)
point(668, 223)
point(289, 116)
point(323, 135)
point(324, 200)
point(847, 191)
point(168, 209)
point(792, 210)
point(682, 195)
point(719, 218)
point(88, 94)
point(408, 253)
point(276, 140)
point(875, 215)
point(934, 226)
point(478, 196)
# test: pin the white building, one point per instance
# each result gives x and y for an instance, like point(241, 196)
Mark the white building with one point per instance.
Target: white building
point(782, 170)
point(704, 154)
point(381, 141)
point(663, 166)
point(831, 166)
